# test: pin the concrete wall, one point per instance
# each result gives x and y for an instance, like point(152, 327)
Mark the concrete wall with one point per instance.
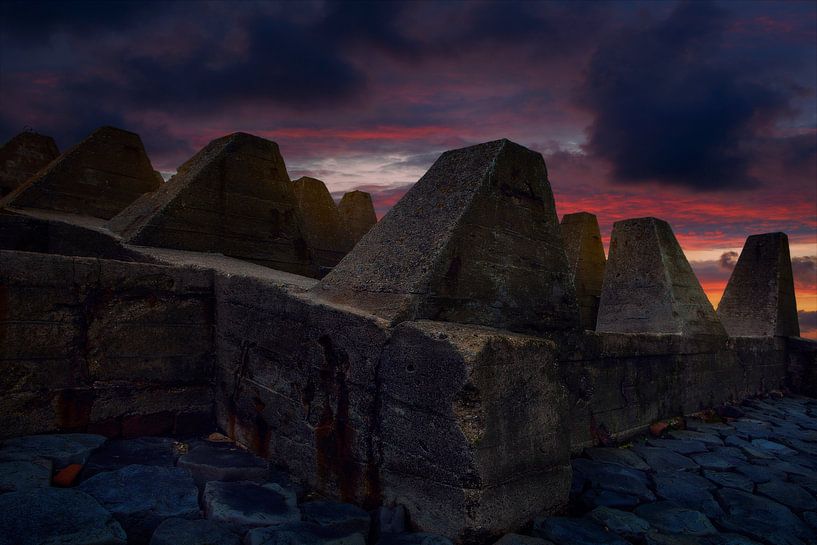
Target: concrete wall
point(104, 346)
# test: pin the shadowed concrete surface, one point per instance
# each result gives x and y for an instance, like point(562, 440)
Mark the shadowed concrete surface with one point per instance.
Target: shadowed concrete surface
point(585, 258)
point(759, 298)
point(324, 230)
point(22, 156)
point(233, 197)
point(438, 375)
point(98, 177)
point(357, 213)
point(649, 286)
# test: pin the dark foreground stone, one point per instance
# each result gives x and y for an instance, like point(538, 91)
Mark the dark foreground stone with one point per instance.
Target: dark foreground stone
point(246, 505)
point(220, 462)
point(18, 476)
point(61, 449)
point(343, 518)
point(56, 516)
point(301, 533)
point(22, 156)
point(175, 531)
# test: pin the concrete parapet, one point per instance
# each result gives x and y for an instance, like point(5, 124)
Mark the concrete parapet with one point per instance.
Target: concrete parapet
point(649, 286)
point(759, 298)
point(585, 258)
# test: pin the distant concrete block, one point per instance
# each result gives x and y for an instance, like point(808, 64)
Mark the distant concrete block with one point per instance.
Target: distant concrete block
point(22, 156)
point(233, 197)
point(649, 286)
point(585, 258)
point(357, 213)
point(323, 228)
point(98, 177)
point(476, 241)
point(759, 298)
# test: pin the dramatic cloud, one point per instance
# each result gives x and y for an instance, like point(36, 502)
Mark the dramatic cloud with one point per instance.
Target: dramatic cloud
point(728, 260)
point(672, 105)
point(805, 272)
point(808, 320)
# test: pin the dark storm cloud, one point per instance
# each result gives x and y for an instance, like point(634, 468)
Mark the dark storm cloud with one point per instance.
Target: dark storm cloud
point(728, 260)
point(673, 104)
point(807, 319)
point(805, 272)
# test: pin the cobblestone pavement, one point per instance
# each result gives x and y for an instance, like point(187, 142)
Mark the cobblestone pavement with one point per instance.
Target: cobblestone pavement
point(742, 480)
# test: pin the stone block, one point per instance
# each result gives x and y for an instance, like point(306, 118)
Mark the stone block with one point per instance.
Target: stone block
point(98, 177)
point(759, 298)
point(22, 156)
point(233, 197)
point(649, 286)
point(246, 505)
point(586, 261)
point(357, 214)
point(475, 241)
point(324, 230)
point(472, 429)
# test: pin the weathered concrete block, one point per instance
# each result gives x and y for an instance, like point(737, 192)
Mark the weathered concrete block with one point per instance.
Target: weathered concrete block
point(357, 213)
point(649, 286)
point(759, 298)
point(323, 228)
point(22, 156)
point(585, 258)
point(473, 428)
point(476, 240)
point(98, 177)
point(233, 197)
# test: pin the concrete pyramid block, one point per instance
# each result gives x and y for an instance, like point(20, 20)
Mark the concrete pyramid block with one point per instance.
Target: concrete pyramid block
point(22, 156)
point(357, 213)
point(649, 286)
point(759, 298)
point(324, 230)
point(585, 258)
point(98, 177)
point(233, 197)
point(476, 240)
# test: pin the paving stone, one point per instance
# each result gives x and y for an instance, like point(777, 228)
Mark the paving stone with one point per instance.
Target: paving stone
point(62, 449)
point(751, 429)
point(302, 533)
point(772, 447)
point(715, 428)
point(519, 539)
point(141, 497)
point(671, 518)
point(223, 462)
point(175, 531)
point(759, 474)
point(245, 505)
point(760, 518)
point(730, 479)
point(657, 538)
point(730, 539)
point(597, 497)
point(661, 459)
point(687, 490)
point(391, 519)
point(619, 456)
point(339, 517)
point(118, 453)
point(419, 538)
point(811, 519)
point(788, 494)
point(18, 476)
point(681, 446)
point(61, 516)
point(707, 438)
point(621, 522)
point(793, 469)
point(614, 478)
point(730, 452)
point(566, 531)
point(711, 460)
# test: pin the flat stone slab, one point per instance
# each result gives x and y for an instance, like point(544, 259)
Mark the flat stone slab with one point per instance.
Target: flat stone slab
point(613, 477)
point(215, 462)
point(176, 531)
point(61, 516)
point(773, 447)
point(301, 533)
point(621, 522)
point(730, 479)
point(118, 453)
point(61, 449)
point(671, 518)
point(566, 531)
point(689, 435)
point(246, 505)
point(661, 459)
point(681, 446)
point(141, 497)
point(343, 518)
point(760, 518)
point(596, 497)
point(687, 490)
point(788, 494)
point(19, 476)
point(619, 456)
point(519, 539)
point(418, 538)
point(712, 460)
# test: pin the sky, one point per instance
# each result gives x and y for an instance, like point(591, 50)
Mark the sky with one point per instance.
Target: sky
point(700, 113)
